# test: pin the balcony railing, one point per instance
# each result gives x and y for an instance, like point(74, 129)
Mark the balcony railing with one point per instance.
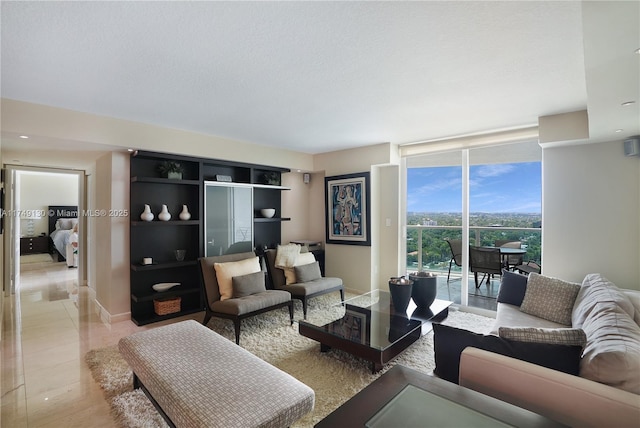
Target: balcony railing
point(479, 235)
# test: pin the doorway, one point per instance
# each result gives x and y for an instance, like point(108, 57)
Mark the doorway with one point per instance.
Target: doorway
point(31, 192)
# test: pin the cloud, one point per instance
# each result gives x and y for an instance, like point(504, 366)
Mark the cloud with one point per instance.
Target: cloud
point(493, 170)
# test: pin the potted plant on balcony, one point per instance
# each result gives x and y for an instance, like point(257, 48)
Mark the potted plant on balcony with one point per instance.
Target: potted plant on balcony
point(171, 169)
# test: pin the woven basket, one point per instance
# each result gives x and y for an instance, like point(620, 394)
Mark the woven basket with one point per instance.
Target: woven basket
point(166, 306)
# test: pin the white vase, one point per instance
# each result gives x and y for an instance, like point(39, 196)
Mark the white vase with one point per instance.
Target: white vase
point(164, 214)
point(146, 215)
point(185, 215)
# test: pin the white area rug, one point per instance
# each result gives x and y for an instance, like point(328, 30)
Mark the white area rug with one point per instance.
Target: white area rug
point(35, 258)
point(335, 376)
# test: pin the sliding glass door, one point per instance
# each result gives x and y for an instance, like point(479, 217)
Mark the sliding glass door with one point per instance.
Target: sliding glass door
point(228, 218)
point(483, 196)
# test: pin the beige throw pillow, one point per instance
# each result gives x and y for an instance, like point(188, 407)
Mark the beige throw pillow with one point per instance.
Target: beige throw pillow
point(550, 298)
point(286, 255)
point(226, 271)
point(290, 273)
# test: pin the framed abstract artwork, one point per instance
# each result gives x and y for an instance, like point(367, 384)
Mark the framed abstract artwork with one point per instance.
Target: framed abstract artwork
point(348, 209)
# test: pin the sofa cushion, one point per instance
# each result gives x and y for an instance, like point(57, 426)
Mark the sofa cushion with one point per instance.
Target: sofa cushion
point(550, 298)
point(556, 336)
point(511, 316)
point(513, 287)
point(612, 354)
point(595, 289)
point(226, 271)
point(308, 272)
point(449, 342)
point(246, 285)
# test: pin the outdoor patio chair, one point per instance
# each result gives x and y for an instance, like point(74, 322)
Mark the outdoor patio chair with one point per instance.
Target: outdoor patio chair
point(485, 260)
point(512, 260)
point(455, 245)
point(528, 267)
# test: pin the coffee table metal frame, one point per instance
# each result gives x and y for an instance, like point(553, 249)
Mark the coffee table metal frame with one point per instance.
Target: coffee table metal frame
point(409, 327)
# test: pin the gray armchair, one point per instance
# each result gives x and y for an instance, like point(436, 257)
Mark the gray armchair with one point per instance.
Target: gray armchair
point(302, 291)
point(237, 308)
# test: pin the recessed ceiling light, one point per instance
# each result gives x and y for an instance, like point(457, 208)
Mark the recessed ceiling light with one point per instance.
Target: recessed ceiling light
point(628, 103)
point(24, 136)
point(129, 150)
point(637, 51)
point(619, 130)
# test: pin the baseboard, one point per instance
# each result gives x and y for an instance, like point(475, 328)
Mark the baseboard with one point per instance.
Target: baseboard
point(104, 315)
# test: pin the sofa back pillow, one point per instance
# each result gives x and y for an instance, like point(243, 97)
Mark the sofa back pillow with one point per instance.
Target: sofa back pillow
point(449, 342)
point(596, 289)
point(612, 354)
point(550, 298)
point(513, 287)
point(554, 336)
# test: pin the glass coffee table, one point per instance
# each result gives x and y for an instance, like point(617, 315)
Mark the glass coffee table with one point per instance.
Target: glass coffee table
point(367, 326)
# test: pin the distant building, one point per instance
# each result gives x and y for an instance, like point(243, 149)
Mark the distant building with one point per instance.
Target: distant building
point(429, 222)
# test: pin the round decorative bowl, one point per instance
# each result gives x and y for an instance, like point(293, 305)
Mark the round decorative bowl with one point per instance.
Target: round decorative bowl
point(164, 286)
point(268, 212)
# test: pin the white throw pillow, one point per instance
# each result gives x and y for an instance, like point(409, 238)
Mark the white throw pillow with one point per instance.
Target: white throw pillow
point(286, 255)
point(226, 271)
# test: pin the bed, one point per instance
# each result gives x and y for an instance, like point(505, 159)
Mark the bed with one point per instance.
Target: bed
point(63, 233)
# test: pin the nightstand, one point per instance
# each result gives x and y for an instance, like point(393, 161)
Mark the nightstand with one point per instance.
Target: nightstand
point(34, 245)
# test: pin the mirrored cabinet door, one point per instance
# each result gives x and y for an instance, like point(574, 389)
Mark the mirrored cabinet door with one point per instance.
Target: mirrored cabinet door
point(228, 218)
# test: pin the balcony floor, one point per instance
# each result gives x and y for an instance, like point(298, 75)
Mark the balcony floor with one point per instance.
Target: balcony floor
point(483, 297)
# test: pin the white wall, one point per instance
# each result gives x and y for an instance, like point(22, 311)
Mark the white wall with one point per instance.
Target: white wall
point(38, 190)
point(354, 263)
point(295, 205)
point(110, 251)
point(591, 213)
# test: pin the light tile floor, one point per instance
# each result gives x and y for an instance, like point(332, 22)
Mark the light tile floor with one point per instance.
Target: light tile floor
point(44, 379)
point(49, 326)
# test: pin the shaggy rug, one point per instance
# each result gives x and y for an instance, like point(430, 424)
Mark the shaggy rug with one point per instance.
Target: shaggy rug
point(335, 376)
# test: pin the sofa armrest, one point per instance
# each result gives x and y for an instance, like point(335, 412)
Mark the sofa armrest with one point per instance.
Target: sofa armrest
point(568, 399)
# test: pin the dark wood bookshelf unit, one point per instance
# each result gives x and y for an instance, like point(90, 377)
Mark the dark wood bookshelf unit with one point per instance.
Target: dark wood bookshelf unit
point(158, 239)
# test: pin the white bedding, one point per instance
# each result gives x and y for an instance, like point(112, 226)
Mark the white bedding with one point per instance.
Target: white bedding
point(63, 241)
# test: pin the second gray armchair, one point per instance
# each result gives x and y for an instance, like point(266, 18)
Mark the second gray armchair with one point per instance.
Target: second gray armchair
point(302, 290)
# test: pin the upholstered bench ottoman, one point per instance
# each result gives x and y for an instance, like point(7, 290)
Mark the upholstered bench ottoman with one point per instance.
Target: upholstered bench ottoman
point(197, 378)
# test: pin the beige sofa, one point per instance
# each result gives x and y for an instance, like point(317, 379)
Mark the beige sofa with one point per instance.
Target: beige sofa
point(607, 391)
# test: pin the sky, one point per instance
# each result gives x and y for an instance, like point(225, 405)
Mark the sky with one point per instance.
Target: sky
point(496, 188)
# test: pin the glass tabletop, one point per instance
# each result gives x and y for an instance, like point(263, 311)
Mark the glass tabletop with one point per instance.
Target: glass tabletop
point(414, 407)
point(367, 319)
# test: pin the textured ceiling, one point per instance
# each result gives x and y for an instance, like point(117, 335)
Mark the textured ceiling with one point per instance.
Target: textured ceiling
point(320, 76)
